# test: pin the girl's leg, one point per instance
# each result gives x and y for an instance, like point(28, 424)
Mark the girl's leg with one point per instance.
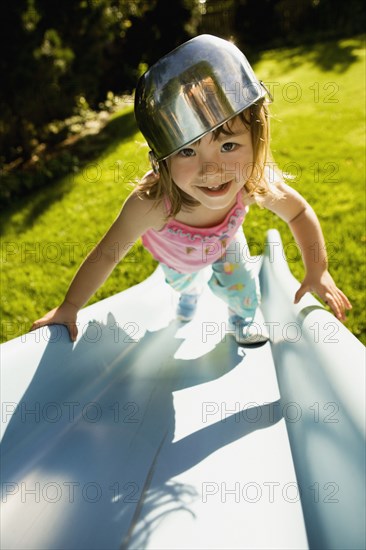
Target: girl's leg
point(235, 280)
point(189, 285)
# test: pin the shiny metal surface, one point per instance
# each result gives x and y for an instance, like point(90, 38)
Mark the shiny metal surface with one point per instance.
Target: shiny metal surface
point(191, 91)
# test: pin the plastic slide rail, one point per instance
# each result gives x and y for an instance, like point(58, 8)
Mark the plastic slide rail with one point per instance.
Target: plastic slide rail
point(151, 433)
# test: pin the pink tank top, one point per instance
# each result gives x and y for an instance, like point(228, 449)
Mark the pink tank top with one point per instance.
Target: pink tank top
point(186, 248)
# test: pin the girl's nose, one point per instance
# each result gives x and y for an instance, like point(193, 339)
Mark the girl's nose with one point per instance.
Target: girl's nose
point(209, 164)
point(211, 172)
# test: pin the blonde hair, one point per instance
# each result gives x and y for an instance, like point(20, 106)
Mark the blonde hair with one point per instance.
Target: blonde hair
point(256, 119)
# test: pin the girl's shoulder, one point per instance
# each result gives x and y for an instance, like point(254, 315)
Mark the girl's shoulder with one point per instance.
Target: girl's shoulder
point(247, 198)
point(143, 210)
point(267, 190)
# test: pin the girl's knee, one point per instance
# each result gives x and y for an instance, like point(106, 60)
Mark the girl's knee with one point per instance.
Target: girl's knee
point(240, 295)
point(183, 282)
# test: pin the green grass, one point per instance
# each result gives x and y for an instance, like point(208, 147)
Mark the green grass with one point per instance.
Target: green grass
point(317, 134)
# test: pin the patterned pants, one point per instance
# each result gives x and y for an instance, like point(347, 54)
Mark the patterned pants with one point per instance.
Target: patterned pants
point(233, 279)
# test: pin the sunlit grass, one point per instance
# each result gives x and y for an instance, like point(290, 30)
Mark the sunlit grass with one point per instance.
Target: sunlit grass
point(318, 135)
point(318, 120)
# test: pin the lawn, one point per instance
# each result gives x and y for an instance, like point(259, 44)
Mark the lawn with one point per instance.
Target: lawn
point(318, 118)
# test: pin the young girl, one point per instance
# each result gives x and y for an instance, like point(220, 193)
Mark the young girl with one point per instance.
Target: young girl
point(205, 117)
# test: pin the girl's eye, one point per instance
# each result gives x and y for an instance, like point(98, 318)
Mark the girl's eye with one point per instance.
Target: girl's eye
point(227, 147)
point(187, 152)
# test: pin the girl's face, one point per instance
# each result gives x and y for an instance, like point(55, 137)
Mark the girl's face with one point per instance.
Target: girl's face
point(213, 171)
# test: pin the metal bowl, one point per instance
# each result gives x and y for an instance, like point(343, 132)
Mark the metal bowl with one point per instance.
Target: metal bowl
point(191, 91)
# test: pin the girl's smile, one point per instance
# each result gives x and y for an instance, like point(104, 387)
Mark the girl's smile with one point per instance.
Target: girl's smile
point(212, 170)
point(218, 190)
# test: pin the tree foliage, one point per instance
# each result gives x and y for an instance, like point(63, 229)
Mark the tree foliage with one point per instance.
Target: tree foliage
point(54, 53)
point(261, 24)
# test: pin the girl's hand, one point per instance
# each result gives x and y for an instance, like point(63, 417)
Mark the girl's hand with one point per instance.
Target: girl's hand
point(65, 314)
point(325, 287)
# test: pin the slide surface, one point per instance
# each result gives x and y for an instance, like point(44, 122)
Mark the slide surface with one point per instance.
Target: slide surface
point(151, 433)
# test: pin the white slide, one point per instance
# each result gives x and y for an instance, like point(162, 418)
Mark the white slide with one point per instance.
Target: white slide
point(149, 433)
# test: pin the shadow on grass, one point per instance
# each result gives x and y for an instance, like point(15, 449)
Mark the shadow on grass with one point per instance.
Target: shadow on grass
point(53, 188)
point(336, 56)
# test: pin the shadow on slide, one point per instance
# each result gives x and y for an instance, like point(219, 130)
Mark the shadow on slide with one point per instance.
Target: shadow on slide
point(96, 418)
point(149, 433)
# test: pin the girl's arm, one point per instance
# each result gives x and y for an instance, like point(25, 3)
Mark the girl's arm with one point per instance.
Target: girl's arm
point(306, 229)
point(134, 219)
